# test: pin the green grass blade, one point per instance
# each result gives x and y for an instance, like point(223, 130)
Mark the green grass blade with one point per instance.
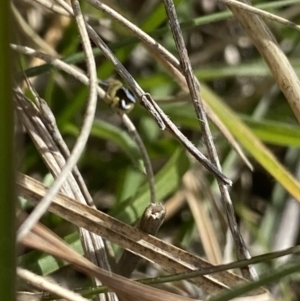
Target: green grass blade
point(272, 276)
point(277, 133)
point(274, 132)
point(250, 142)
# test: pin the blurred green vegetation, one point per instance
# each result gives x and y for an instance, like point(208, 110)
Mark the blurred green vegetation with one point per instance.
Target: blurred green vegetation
point(244, 94)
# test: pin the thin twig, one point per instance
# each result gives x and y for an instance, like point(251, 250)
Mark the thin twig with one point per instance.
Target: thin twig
point(194, 87)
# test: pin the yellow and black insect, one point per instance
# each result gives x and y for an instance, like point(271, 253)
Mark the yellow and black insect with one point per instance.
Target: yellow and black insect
point(117, 96)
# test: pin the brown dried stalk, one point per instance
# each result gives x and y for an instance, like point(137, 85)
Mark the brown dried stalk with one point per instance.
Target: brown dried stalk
point(149, 247)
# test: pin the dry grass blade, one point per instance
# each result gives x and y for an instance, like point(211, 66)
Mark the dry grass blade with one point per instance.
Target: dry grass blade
point(202, 220)
point(261, 13)
point(46, 285)
point(278, 63)
point(48, 140)
point(48, 118)
point(148, 247)
point(45, 240)
point(28, 31)
point(85, 131)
